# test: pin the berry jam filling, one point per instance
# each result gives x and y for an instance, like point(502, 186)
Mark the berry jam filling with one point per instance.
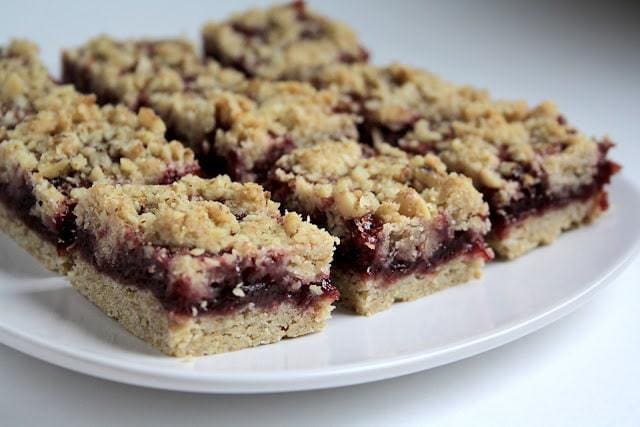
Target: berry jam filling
point(59, 229)
point(537, 199)
point(361, 251)
point(244, 283)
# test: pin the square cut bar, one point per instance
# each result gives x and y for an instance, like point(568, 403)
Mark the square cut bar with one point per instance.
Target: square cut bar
point(201, 266)
point(67, 142)
point(234, 125)
point(406, 227)
point(281, 42)
point(166, 75)
point(539, 175)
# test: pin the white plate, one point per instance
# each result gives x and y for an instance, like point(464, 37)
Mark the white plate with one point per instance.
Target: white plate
point(43, 317)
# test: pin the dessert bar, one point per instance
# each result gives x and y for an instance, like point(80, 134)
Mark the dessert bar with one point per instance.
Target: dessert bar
point(407, 228)
point(69, 142)
point(539, 174)
point(166, 75)
point(201, 266)
point(235, 126)
point(281, 42)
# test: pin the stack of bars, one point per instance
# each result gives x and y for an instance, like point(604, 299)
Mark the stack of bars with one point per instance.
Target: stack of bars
point(200, 246)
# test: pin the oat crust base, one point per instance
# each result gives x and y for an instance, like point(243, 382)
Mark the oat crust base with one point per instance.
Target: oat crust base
point(367, 297)
point(142, 315)
point(544, 229)
point(42, 250)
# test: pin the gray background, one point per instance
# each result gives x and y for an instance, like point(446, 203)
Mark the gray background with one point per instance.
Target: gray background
point(583, 370)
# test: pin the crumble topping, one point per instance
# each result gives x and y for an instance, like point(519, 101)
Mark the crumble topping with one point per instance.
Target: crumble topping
point(61, 149)
point(281, 42)
point(402, 190)
point(281, 114)
point(132, 71)
point(502, 145)
point(215, 110)
point(203, 222)
point(26, 87)
point(166, 75)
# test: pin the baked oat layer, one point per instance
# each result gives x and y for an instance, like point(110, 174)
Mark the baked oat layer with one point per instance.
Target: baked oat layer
point(368, 296)
point(140, 313)
point(544, 229)
point(236, 126)
point(281, 42)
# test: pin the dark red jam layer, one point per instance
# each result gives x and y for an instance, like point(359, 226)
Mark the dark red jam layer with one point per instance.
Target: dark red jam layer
point(537, 199)
point(267, 285)
point(18, 197)
point(361, 251)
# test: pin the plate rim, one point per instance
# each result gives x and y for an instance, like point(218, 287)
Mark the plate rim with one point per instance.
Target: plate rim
point(137, 374)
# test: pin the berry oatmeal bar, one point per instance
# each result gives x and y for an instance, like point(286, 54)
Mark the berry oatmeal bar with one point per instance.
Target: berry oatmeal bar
point(69, 143)
point(166, 75)
point(235, 126)
point(539, 175)
point(201, 266)
point(282, 42)
point(407, 228)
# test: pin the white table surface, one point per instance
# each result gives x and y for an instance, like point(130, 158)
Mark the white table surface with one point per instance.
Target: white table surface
point(583, 370)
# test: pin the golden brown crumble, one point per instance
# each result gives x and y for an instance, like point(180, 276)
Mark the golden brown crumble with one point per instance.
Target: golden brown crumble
point(131, 71)
point(202, 102)
point(281, 42)
point(203, 217)
point(404, 191)
point(501, 145)
point(57, 150)
point(273, 115)
point(26, 87)
point(166, 75)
